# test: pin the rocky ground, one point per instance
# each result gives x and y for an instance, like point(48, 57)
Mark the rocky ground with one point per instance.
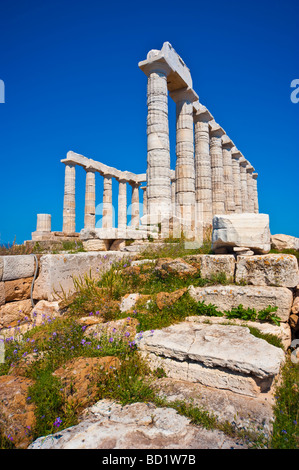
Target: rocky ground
point(212, 363)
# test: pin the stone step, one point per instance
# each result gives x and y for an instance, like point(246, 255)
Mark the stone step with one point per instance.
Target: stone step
point(220, 356)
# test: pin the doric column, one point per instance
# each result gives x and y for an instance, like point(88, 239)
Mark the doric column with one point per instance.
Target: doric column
point(218, 196)
point(158, 149)
point(229, 203)
point(244, 191)
point(144, 200)
point(135, 205)
point(107, 221)
point(43, 223)
point(69, 203)
point(249, 171)
point(255, 193)
point(185, 165)
point(203, 172)
point(236, 155)
point(122, 204)
point(90, 199)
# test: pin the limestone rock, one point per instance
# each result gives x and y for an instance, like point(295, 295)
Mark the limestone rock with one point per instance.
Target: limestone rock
point(244, 230)
point(14, 312)
point(95, 245)
point(166, 299)
point(44, 310)
point(175, 266)
point(284, 242)
point(109, 425)
point(128, 302)
point(2, 293)
point(271, 269)
point(295, 307)
point(241, 411)
point(210, 265)
point(79, 378)
point(258, 297)
point(220, 356)
point(17, 413)
point(18, 289)
point(17, 267)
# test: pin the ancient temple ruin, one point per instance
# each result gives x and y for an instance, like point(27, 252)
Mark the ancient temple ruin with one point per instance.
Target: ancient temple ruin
point(211, 174)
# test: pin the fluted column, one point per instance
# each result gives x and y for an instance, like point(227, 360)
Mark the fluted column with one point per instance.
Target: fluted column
point(122, 204)
point(255, 193)
point(249, 171)
point(229, 203)
point(135, 205)
point(90, 199)
point(237, 180)
point(185, 165)
point(144, 200)
point(158, 149)
point(69, 203)
point(203, 172)
point(218, 196)
point(244, 191)
point(107, 221)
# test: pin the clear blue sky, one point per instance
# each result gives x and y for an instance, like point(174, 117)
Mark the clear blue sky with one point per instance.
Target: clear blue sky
point(72, 82)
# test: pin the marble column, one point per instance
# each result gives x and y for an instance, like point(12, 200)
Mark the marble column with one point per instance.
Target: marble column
point(249, 171)
point(255, 193)
point(90, 199)
point(244, 191)
point(158, 148)
point(122, 204)
point(107, 221)
point(43, 223)
point(203, 172)
point(185, 165)
point(135, 205)
point(218, 196)
point(69, 203)
point(236, 155)
point(144, 200)
point(229, 203)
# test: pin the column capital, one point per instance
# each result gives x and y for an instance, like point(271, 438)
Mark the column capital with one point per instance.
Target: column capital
point(184, 94)
point(227, 143)
point(254, 176)
point(249, 168)
point(236, 154)
point(215, 129)
point(202, 114)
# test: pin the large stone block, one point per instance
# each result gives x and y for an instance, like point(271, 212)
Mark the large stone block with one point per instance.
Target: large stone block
point(210, 265)
point(57, 271)
point(241, 230)
point(265, 270)
point(219, 356)
point(227, 297)
point(284, 242)
point(2, 293)
point(17, 267)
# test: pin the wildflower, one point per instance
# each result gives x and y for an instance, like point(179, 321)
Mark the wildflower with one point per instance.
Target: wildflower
point(97, 312)
point(127, 334)
point(83, 341)
point(90, 313)
point(284, 431)
point(84, 328)
point(57, 422)
point(10, 437)
point(110, 340)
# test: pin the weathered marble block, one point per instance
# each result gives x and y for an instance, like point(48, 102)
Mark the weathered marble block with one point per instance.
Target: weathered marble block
point(17, 267)
point(220, 356)
point(241, 230)
point(265, 270)
point(228, 297)
point(210, 265)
